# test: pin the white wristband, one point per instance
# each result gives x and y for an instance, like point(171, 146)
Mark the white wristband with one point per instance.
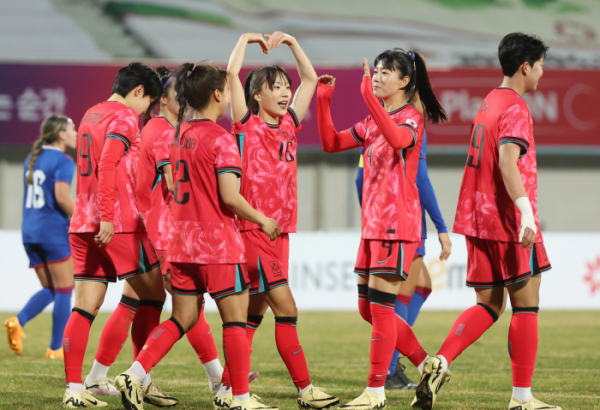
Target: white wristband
point(527, 218)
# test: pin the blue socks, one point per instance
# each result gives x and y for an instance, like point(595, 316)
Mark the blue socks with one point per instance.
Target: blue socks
point(401, 310)
point(418, 299)
point(35, 305)
point(60, 316)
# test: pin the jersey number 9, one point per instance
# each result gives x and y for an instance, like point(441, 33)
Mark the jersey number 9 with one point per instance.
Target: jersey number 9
point(476, 146)
point(84, 156)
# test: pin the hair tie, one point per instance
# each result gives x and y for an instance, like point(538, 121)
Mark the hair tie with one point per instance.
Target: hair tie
point(168, 82)
point(411, 54)
point(193, 68)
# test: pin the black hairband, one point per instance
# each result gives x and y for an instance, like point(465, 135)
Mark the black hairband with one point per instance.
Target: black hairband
point(411, 54)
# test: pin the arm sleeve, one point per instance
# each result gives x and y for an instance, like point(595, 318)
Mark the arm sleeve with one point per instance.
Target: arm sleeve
point(399, 136)
point(65, 170)
point(359, 177)
point(428, 199)
point(160, 151)
point(111, 155)
point(515, 128)
point(227, 155)
point(331, 140)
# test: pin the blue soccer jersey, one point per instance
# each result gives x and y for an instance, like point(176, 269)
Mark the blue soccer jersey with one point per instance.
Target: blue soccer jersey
point(44, 221)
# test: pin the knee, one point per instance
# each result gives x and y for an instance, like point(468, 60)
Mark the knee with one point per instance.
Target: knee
point(494, 310)
point(186, 320)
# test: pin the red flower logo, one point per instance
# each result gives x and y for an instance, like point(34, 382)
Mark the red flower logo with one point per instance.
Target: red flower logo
point(592, 277)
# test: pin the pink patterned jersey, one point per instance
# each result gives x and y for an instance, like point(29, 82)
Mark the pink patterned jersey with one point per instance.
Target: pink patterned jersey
point(203, 229)
point(485, 209)
point(153, 197)
point(391, 209)
point(269, 181)
point(109, 120)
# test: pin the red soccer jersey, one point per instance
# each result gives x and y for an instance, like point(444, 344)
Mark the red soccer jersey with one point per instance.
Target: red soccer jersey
point(485, 209)
point(109, 120)
point(153, 197)
point(269, 181)
point(203, 229)
point(391, 209)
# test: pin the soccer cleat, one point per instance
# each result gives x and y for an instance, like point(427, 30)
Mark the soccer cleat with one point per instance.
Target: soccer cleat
point(433, 378)
point(155, 396)
point(55, 354)
point(366, 400)
point(82, 400)
point(222, 401)
point(316, 398)
point(399, 380)
point(252, 376)
point(251, 404)
point(132, 396)
point(101, 387)
point(531, 404)
point(14, 334)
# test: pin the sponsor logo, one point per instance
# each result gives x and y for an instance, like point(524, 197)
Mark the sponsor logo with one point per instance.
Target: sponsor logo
point(460, 329)
point(592, 276)
point(297, 351)
point(376, 340)
point(381, 261)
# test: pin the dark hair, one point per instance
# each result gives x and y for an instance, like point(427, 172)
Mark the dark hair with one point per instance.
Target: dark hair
point(48, 134)
point(195, 85)
point(410, 64)
point(136, 74)
point(518, 48)
point(165, 74)
point(256, 78)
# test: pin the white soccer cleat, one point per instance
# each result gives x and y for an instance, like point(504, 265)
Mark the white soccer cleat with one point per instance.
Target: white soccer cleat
point(531, 404)
point(222, 401)
point(101, 387)
point(316, 398)
point(252, 403)
point(366, 401)
point(83, 400)
point(433, 378)
point(132, 395)
point(155, 396)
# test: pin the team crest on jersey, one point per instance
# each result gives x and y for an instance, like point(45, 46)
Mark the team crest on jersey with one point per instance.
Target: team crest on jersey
point(275, 267)
point(412, 122)
point(286, 135)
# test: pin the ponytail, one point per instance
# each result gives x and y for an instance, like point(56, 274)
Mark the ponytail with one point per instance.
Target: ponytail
point(431, 105)
point(195, 85)
point(412, 65)
point(49, 132)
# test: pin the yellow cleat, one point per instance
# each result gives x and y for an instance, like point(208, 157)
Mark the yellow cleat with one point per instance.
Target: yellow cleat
point(82, 400)
point(222, 401)
point(155, 396)
point(251, 404)
point(531, 404)
point(55, 354)
point(316, 398)
point(433, 378)
point(132, 395)
point(14, 334)
point(366, 401)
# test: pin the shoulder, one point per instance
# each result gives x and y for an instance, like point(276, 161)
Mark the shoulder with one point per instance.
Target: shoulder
point(292, 116)
point(411, 116)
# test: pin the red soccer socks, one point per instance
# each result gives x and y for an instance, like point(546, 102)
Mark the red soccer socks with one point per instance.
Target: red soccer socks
point(290, 350)
point(75, 340)
point(201, 339)
point(159, 343)
point(383, 336)
point(146, 319)
point(469, 327)
point(116, 331)
point(523, 344)
point(237, 356)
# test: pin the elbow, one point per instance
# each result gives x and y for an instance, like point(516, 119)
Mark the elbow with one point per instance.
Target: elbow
point(229, 200)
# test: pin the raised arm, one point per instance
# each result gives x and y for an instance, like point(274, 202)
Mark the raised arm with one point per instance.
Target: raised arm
point(308, 75)
point(331, 140)
point(236, 60)
point(398, 137)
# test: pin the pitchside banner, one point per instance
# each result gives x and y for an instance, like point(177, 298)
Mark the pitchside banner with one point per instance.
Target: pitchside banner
point(564, 109)
point(322, 278)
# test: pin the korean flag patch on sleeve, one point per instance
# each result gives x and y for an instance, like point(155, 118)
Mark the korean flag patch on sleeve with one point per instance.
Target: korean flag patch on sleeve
point(412, 123)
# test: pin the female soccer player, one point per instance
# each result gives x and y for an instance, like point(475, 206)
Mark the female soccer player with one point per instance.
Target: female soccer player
point(205, 248)
point(391, 216)
point(107, 235)
point(497, 213)
point(47, 207)
point(154, 192)
point(415, 291)
point(266, 120)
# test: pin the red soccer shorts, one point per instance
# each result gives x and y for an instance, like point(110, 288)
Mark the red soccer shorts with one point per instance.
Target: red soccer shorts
point(493, 263)
point(126, 255)
point(192, 279)
point(379, 256)
point(165, 265)
point(267, 261)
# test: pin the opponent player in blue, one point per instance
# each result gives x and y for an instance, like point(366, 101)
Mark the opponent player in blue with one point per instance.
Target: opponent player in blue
point(413, 293)
point(47, 207)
